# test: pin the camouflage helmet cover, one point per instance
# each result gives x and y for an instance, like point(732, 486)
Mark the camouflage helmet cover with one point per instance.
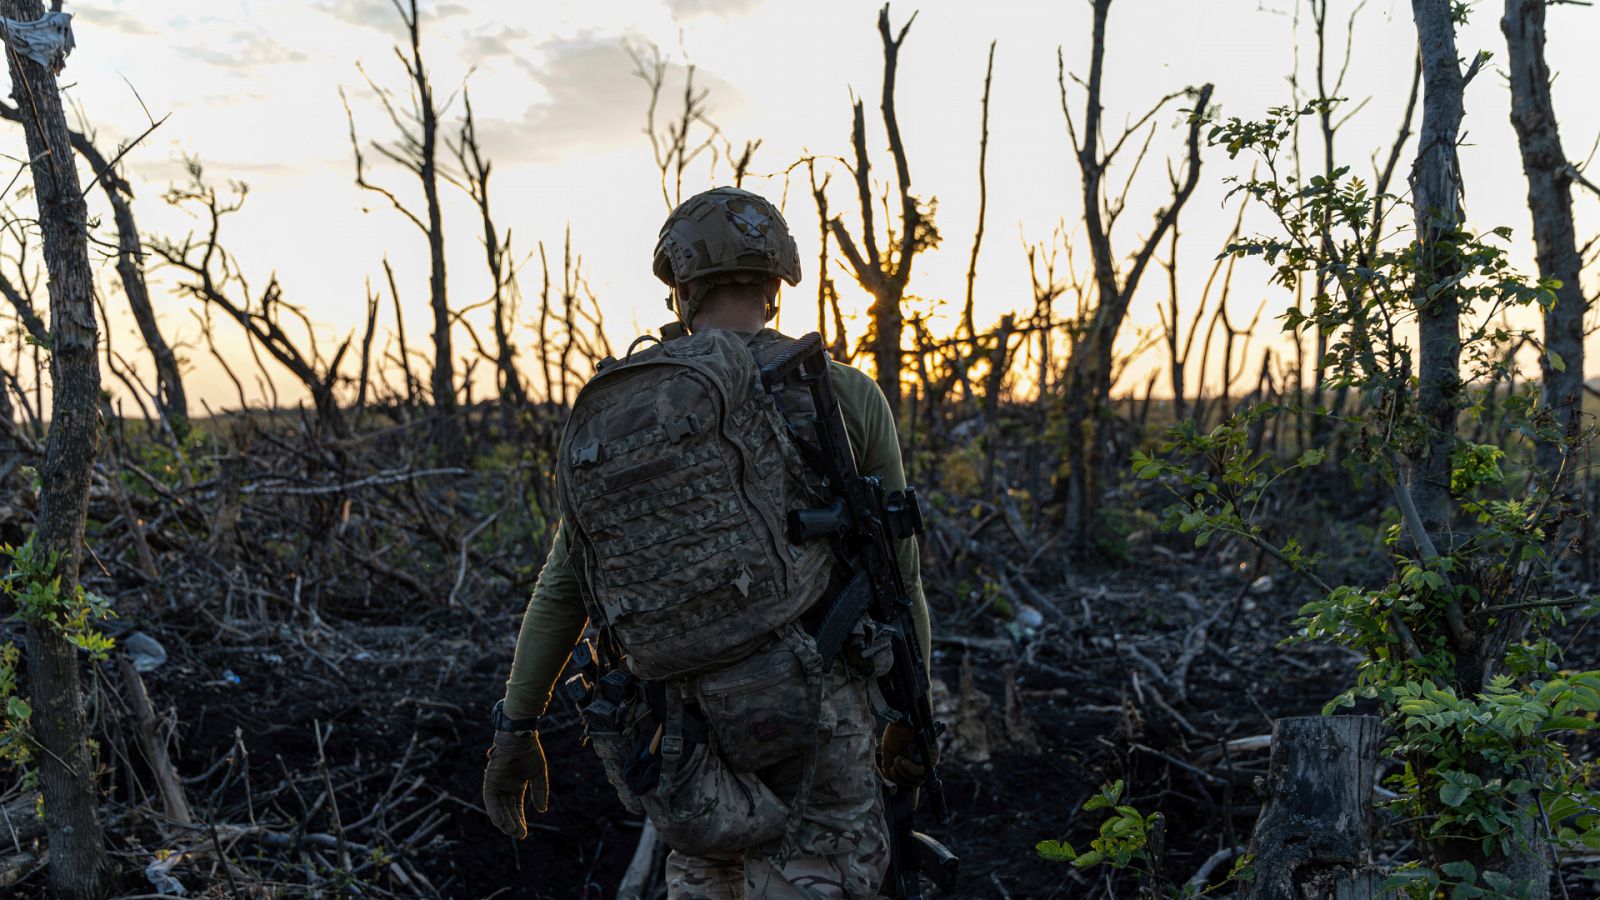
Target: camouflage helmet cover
point(722, 235)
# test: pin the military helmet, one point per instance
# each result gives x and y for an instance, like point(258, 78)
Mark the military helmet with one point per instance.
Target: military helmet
point(723, 235)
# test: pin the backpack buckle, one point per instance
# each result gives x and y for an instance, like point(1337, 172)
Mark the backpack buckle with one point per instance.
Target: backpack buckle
point(587, 455)
point(681, 427)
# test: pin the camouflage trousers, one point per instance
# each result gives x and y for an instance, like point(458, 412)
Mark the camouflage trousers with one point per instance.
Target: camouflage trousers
point(841, 843)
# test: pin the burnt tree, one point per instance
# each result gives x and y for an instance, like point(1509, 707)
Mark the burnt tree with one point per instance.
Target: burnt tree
point(1436, 190)
point(1090, 370)
point(416, 151)
point(1427, 505)
point(884, 272)
point(983, 198)
point(212, 276)
point(1550, 202)
point(497, 254)
point(78, 862)
point(170, 397)
point(1314, 835)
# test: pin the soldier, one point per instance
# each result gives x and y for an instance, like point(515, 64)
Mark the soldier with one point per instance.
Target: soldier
point(815, 826)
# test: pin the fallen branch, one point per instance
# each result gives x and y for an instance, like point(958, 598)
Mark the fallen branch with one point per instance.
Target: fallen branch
point(642, 867)
point(380, 478)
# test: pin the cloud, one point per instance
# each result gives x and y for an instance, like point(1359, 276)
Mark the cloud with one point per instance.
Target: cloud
point(592, 100)
point(496, 41)
point(687, 9)
point(175, 170)
point(244, 51)
point(93, 18)
point(381, 14)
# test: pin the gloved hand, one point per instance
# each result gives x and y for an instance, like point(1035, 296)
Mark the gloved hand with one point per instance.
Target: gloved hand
point(897, 756)
point(516, 764)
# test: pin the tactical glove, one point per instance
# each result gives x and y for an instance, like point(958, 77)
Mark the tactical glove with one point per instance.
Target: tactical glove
point(897, 756)
point(516, 763)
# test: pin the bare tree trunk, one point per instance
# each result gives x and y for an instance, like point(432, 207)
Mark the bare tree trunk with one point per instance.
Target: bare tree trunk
point(1169, 325)
point(1089, 371)
point(1436, 191)
point(885, 273)
point(496, 251)
point(1325, 121)
point(1550, 201)
point(1314, 836)
point(366, 353)
point(210, 280)
point(174, 802)
point(170, 396)
point(416, 150)
point(400, 334)
point(983, 198)
point(443, 381)
point(78, 863)
point(999, 365)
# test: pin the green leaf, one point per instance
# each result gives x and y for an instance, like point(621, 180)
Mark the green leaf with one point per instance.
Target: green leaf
point(1056, 851)
point(1499, 881)
point(1453, 795)
point(1567, 723)
point(18, 709)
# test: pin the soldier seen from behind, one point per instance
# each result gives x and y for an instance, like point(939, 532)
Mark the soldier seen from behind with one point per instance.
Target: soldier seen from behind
point(738, 690)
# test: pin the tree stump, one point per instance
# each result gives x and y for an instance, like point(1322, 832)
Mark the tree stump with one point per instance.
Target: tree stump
point(1314, 836)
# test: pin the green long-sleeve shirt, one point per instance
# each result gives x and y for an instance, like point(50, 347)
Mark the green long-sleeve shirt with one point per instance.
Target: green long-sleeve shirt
point(555, 617)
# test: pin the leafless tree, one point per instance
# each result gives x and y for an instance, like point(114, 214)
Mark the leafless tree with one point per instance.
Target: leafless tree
point(170, 397)
point(884, 272)
point(1550, 202)
point(403, 359)
point(78, 862)
point(415, 149)
point(1172, 328)
point(983, 197)
point(1089, 372)
point(366, 351)
point(213, 277)
point(1328, 101)
point(32, 335)
point(738, 162)
point(497, 255)
point(686, 136)
point(571, 327)
point(827, 290)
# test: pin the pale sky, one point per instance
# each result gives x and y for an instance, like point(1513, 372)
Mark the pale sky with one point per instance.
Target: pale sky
point(252, 89)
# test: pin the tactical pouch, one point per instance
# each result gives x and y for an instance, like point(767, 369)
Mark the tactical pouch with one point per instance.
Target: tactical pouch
point(867, 652)
point(702, 807)
point(614, 733)
point(760, 709)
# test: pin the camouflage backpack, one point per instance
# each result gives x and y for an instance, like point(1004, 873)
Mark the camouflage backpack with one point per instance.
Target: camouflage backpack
point(677, 473)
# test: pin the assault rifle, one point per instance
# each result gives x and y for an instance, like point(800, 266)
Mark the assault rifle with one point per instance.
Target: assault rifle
point(863, 520)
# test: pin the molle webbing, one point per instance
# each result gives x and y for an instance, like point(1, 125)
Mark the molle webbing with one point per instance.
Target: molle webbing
point(678, 473)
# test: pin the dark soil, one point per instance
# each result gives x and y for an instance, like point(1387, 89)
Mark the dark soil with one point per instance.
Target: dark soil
point(1088, 703)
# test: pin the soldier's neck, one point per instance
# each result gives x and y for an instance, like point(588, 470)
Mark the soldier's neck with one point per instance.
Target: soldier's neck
point(730, 317)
